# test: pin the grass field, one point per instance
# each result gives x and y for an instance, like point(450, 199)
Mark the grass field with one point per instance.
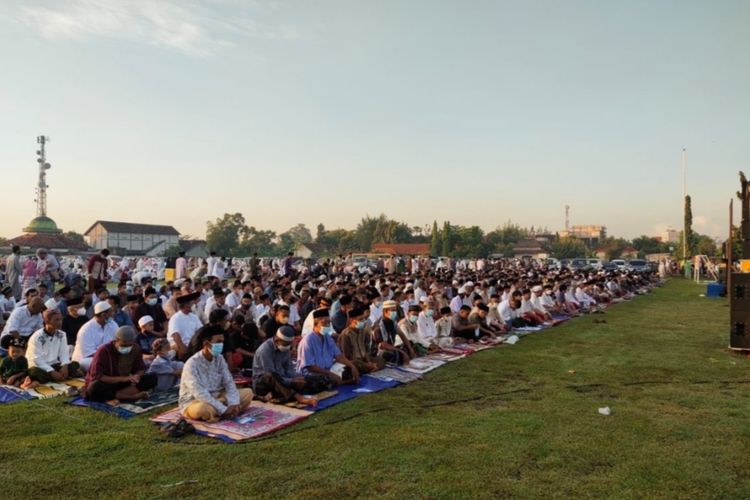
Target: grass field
point(513, 421)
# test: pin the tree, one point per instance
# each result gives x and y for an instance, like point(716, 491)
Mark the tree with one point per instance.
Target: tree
point(647, 245)
point(435, 242)
point(447, 247)
point(77, 237)
point(688, 231)
point(319, 232)
point(293, 237)
point(223, 235)
point(260, 241)
point(705, 245)
point(469, 242)
point(568, 248)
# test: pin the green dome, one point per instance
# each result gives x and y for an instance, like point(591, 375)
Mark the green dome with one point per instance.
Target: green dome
point(42, 225)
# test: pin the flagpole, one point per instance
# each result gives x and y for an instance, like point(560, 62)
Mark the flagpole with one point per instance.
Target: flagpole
point(684, 195)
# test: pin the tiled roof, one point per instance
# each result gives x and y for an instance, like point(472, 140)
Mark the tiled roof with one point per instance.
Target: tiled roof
point(50, 241)
point(129, 227)
point(402, 248)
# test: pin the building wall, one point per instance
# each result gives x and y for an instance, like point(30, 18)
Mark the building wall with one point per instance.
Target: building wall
point(303, 252)
point(100, 238)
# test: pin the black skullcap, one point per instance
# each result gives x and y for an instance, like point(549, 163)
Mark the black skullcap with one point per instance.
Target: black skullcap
point(321, 313)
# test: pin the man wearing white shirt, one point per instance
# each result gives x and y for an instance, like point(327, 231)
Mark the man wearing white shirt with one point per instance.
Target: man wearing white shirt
point(458, 300)
point(48, 353)
point(22, 322)
point(98, 331)
point(211, 263)
point(426, 323)
point(183, 325)
point(180, 267)
point(233, 299)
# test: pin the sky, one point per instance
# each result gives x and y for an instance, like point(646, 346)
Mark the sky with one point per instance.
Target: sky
point(178, 111)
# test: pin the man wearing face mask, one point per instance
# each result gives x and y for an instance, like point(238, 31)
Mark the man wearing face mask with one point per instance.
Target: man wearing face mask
point(74, 320)
point(387, 333)
point(274, 375)
point(318, 353)
point(151, 307)
point(117, 372)
point(409, 327)
point(95, 333)
point(207, 389)
point(357, 343)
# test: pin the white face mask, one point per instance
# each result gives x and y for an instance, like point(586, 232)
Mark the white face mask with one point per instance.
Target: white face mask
point(81, 311)
point(171, 354)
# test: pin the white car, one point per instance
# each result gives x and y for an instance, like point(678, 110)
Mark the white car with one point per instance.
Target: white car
point(621, 264)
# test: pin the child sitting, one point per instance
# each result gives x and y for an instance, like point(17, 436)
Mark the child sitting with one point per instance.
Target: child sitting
point(146, 337)
point(443, 328)
point(14, 367)
point(167, 370)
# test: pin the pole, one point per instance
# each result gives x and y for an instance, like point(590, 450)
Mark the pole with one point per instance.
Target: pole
point(684, 195)
point(730, 247)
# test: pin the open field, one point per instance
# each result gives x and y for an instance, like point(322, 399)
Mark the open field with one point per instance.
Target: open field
point(513, 421)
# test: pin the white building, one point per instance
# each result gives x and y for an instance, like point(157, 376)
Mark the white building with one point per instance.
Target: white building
point(670, 236)
point(134, 239)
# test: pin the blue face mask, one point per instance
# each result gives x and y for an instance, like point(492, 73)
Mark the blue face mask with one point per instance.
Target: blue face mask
point(217, 348)
point(125, 350)
point(393, 315)
point(360, 325)
point(413, 319)
point(326, 330)
point(429, 313)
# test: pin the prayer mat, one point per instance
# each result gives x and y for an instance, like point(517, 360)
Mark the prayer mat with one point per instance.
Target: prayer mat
point(132, 409)
point(395, 374)
point(242, 380)
point(259, 419)
point(367, 384)
point(318, 397)
point(11, 394)
point(447, 357)
point(422, 365)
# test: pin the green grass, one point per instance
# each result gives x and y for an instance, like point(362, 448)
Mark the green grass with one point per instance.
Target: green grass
point(507, 422)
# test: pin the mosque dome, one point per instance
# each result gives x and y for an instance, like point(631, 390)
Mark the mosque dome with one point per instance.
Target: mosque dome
point(42, 224)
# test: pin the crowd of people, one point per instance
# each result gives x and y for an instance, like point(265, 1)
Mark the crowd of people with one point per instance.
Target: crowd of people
point(296, 328)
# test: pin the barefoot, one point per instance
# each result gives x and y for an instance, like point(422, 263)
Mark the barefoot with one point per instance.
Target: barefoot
point(29, 384)
point(113, 402)
point(306, 401)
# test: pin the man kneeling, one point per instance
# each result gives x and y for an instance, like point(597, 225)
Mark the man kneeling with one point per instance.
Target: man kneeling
point(207, 389)
point(117, 371)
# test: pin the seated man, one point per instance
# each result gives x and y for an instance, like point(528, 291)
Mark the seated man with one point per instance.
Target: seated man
point(183, 324)
point(207, 389)
point(479, 316)
point(274, 376)
point(357, 344)
point(386, 333)
point(409, 327)
point(97, 332)
point(243, 344)
point(318, 353)
point(74, 320)
point(22, 322)
point(48, 353)
point(510, 311)
point(463, 327)
point(117, 371)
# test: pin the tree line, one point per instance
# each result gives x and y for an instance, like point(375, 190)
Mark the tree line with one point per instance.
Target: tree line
point(231, 236)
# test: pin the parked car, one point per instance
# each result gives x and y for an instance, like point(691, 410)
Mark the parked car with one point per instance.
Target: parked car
point(609, 266)
point(621, 264)
point(563, 263)
point(638, 266)
point(596, 264)
point(579, 265)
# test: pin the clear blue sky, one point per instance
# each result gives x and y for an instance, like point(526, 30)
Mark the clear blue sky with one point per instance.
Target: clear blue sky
point(174, 112)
